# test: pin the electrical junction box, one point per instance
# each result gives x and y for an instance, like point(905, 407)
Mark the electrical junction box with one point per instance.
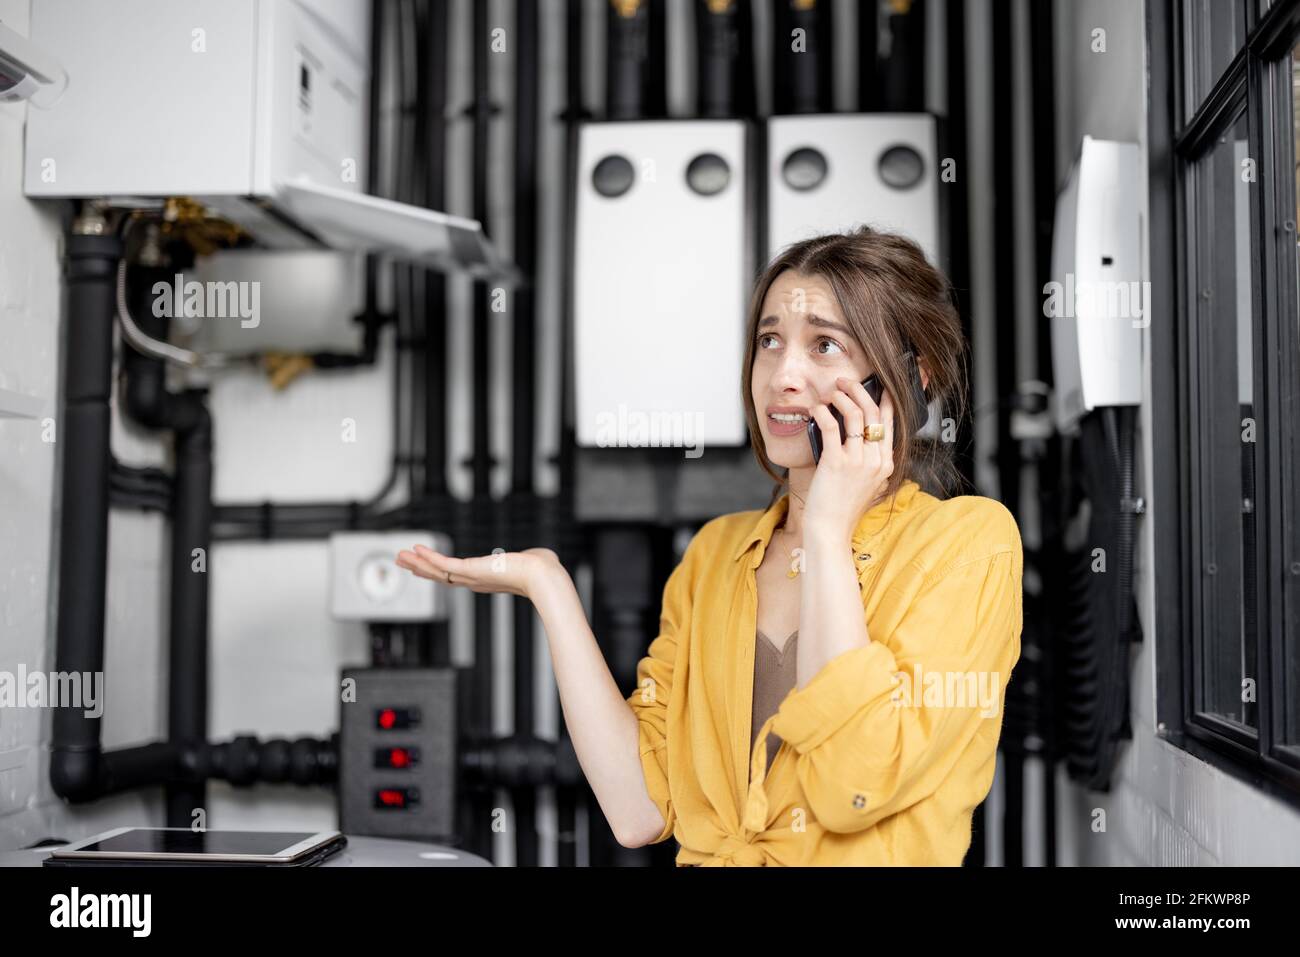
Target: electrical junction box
point(1096, 301)
point(368, 585)
point(258, 109)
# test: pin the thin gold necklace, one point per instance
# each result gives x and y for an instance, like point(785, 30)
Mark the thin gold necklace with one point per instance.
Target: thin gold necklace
point(794, 565)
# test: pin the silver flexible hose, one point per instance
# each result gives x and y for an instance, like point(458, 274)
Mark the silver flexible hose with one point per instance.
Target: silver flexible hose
point(149, 346)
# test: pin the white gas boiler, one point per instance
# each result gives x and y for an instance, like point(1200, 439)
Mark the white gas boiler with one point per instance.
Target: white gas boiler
point(258, 109)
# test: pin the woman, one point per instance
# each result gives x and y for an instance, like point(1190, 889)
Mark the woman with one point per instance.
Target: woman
point(869, 734)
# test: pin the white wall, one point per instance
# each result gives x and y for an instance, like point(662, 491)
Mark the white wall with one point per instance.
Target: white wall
point(30, 363)
point(1166, 807)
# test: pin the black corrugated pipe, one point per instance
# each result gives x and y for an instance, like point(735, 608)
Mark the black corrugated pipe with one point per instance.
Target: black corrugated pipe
point(724, 57)
point(801, 62)
point(636, 84)
point(244, 761)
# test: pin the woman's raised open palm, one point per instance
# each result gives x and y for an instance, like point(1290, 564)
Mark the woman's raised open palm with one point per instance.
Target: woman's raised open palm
point(516, 573)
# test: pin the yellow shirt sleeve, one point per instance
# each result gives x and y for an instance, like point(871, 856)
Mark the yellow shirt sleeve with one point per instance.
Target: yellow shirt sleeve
point(868, 743)
point(654, 679)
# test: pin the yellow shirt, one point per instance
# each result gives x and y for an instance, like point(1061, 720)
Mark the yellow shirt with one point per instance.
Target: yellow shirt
point(889, 748)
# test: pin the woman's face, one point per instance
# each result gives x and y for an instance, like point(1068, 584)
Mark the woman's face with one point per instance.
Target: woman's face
point(804, 345)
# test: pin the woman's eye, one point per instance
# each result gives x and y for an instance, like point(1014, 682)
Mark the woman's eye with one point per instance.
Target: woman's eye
point(829, 342)
point(762, 336)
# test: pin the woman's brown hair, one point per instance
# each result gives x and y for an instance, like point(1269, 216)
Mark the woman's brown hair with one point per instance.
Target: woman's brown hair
point(893, 300)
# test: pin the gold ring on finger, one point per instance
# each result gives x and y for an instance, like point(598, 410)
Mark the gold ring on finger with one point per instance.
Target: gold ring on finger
point(875, 432)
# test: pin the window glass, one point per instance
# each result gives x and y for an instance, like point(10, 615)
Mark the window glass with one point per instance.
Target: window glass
point(1226, 429)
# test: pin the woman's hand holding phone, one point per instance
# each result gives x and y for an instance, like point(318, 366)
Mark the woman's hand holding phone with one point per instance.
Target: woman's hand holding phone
point(851, 475)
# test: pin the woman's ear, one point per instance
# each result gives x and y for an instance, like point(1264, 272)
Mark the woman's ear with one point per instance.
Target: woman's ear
point(925, 373)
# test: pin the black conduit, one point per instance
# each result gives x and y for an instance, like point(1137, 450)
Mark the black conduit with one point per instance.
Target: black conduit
point(479, 718)
point(956, 227)
point(801, 62)
point(1008, 450)
point(527, 84)
point(575, 111)
point(724, 58)
point(186, 415)
point(79, 771)
point(1043, 96)
point(636, 85)
point(899, 77)
point(436, 389)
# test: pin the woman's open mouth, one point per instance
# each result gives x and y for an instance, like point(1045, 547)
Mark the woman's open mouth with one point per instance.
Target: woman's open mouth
point(787, 423)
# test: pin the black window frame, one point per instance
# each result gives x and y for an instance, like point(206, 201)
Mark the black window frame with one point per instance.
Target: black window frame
point(1270, 758)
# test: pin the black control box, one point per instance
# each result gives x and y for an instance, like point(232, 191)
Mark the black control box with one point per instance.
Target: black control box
point(397, 753)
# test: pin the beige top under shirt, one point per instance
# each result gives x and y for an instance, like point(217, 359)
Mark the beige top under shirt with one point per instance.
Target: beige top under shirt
point(774, 677)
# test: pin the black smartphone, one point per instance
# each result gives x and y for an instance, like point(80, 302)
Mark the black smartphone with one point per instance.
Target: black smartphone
point(920, 406)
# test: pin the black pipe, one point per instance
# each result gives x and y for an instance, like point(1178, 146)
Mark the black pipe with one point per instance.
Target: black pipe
point(436, 374)
point(524, 376)
point(478, 721)
point(957, 208)
point(187, 698)
point(724, 57)
point(636, 85)
point(900, 76)
point(1043, 95)
point(435, 283)
point(75, 759)
point(801, 62)
point(1008, 449)
point(575, 112)
point(186, 416)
